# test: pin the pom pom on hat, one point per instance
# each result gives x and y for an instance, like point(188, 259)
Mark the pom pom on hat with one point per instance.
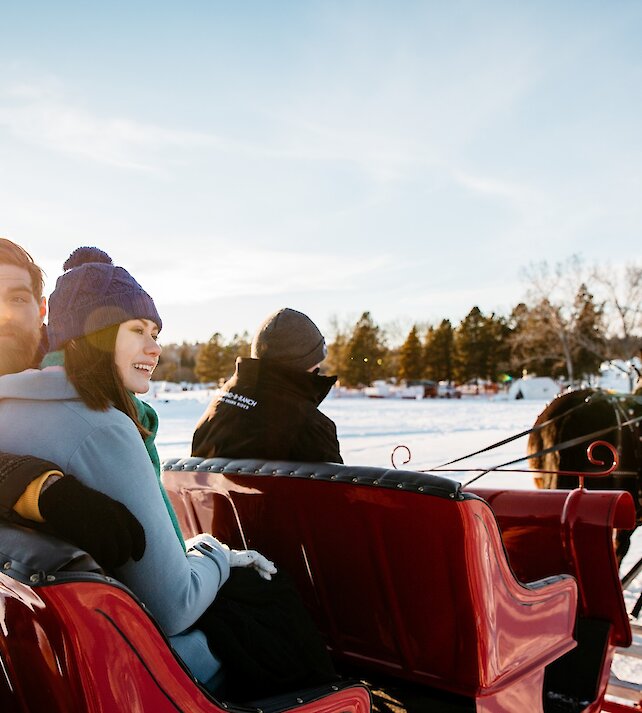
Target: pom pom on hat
point(86, 254)
point(93, 294)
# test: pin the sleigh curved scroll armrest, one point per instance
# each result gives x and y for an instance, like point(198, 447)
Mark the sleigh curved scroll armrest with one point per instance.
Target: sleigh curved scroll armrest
point(547, 605)
point(551, 531)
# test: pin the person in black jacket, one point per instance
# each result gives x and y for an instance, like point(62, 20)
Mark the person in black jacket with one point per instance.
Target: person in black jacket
point(32, 491)
point(269, 408)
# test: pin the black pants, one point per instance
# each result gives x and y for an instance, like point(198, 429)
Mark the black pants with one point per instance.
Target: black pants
point(264, 637)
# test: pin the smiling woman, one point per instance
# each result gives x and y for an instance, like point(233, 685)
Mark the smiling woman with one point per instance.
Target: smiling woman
point(84, 416)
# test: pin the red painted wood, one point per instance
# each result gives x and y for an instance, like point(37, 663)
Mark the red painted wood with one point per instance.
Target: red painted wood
point(406, 583)
point(401, 582)
point(61, 652)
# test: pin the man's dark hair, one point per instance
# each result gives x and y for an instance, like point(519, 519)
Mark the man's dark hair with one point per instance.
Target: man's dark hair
point(12, 254)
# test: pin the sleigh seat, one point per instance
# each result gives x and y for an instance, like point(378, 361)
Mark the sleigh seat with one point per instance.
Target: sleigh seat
point(74, 640)
point(552, 531)
point(405, 574)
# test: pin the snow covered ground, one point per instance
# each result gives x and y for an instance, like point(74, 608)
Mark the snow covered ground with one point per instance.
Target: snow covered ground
point(435, 431)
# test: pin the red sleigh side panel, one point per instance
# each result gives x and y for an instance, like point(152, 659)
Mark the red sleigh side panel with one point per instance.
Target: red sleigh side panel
point(88, 647)
point(408, 578)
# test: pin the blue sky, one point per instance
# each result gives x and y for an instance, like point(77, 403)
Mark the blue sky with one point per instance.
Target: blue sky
point(402, 157)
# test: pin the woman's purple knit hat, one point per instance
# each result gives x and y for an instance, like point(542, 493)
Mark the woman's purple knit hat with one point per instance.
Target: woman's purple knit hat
point(92, 294)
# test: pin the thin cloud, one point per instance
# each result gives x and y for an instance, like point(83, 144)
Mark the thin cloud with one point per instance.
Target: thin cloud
point(250, 273)
point(41, 116)
point(496, 188)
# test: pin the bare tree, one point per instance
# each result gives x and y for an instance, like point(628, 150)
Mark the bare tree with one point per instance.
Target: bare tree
point(622, 292)
point(553, 292)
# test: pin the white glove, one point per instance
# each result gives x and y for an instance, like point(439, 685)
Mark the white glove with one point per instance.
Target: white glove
point(236, 558)
point(252, 558)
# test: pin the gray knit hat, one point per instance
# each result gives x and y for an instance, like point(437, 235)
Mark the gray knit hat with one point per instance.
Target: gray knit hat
point(92, 294)
point(291, 338)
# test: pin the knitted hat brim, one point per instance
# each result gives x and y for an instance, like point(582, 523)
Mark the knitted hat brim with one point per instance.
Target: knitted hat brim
point(103, 313)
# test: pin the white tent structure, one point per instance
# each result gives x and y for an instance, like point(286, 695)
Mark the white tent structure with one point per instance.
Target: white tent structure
point(535, 387)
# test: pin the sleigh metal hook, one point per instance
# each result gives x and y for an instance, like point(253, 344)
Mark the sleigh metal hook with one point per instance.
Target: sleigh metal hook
point(501, 468)
point(394, 451)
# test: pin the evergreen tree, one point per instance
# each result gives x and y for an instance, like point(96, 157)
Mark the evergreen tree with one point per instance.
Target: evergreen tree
point(168, 363)
point(165, 371)
point(187, 355)
point(364, 353)
point(470, 350)
point(240, 346)
point(496, 346)
point(411, 358)
point(212, 360)
point(588, 337)
point(333, 363)
point(439, 352)
point(481, 346)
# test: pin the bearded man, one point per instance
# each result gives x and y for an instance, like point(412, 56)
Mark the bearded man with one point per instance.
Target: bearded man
point(34, 492)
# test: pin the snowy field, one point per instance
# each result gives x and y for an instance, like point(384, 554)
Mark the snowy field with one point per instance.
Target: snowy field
point(435, 431)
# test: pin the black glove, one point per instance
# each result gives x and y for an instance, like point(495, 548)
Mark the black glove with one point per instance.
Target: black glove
point(92, 521)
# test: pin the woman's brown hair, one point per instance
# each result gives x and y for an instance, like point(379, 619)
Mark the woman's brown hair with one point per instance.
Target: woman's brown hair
point(90, 366)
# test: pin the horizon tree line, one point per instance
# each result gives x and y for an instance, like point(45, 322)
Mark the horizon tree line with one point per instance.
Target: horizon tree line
point(561, 329)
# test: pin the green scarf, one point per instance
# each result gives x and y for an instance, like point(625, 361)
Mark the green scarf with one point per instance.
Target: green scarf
point(149, 420)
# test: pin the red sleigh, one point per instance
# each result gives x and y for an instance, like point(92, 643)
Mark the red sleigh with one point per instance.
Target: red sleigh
point(494, 601)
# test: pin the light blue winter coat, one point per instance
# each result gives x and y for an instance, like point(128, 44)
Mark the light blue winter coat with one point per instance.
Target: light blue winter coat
point(42, 415)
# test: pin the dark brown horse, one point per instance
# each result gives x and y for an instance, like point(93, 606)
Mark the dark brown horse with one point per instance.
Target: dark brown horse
point(581, 417)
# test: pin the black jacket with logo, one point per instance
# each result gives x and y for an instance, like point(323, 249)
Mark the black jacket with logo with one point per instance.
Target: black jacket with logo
point(269, 411)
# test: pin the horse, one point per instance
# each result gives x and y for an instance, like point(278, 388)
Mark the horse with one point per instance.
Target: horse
point(579, 418)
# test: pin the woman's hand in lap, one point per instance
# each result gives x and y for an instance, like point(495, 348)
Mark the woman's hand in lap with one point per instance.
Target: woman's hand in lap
point(236, 558)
